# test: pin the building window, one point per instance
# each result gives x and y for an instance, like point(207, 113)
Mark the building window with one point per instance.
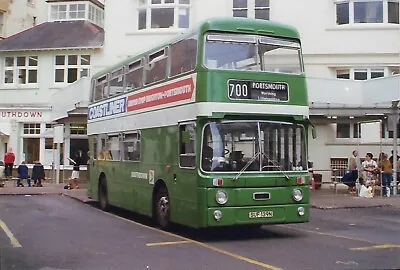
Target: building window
point(343, 74)
point(78, 129)
point(96, 15)
point(361, 12)
point(393, 12)
point(377, 73)
point(77, 11)
point(256, 9)
point(362, 74)
point(342, 13)
point(21, 69)
point(155, 14)
point(368, 12)
point(261, 9)
point(357, 130)
point(339, 167)
point(394, 71)
point(58, 12)
point(69, 68)
point(31, 129)
point(240, 8)
point(343, 131)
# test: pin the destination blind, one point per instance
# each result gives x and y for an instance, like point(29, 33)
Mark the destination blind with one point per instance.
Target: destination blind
point(258, 90)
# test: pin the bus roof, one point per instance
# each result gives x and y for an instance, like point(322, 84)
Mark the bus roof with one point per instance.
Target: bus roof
point(237, 25)
point(249, 26)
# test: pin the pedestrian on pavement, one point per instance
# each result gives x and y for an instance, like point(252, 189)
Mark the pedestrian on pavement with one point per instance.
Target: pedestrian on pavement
point(9, 159)
point(77, 162)
point(23, 173)
point(386, 170)
point(350, 178)
point(38, 174)
point(370, 168)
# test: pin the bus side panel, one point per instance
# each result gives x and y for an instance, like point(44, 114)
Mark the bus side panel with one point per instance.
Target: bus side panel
point(160, 154)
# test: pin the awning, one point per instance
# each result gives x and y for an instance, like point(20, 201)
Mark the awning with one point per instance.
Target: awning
point(4, 129)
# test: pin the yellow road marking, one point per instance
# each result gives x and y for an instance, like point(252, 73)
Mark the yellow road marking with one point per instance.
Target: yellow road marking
point(329, 234)
point(13, 240)
point(227, 253)
point(168, 243)
point(386, 246)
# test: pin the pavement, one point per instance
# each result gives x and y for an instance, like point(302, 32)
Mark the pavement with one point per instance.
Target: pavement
point(322, 199)
point(47, 189)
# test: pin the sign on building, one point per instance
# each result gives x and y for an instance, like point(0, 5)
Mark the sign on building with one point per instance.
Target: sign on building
point(371, 132)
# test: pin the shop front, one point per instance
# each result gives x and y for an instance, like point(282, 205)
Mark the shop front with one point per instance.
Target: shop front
point(28, 132)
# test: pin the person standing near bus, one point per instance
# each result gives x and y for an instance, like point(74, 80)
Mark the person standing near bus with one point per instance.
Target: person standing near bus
point(386, 168)
point(77, 162)
point(354, 166)
point(9, 159)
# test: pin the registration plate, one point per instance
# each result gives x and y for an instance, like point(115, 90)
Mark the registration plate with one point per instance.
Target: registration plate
point(261, 214)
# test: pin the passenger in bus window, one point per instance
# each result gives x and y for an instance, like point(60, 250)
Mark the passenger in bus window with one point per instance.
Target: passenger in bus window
point(105, 154)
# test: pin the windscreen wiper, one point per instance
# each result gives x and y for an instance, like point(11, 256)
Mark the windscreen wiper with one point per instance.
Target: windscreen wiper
point(276, 166)
point(247, 165)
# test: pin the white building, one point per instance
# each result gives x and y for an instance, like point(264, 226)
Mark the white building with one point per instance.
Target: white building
point(351, 52)
point(18, 15)
point(35, 65)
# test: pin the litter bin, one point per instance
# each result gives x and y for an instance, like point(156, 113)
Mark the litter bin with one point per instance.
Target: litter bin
point(317, 180)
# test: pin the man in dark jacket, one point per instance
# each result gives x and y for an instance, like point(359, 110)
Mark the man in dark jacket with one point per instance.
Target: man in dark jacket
point(38, 174)
point(23, 173)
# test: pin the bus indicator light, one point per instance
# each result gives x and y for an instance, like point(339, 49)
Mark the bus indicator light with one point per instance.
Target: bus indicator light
point(217, 182)
point(300, 180)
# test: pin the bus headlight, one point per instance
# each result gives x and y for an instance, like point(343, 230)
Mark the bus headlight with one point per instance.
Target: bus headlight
point(221, 197)
point(217, 215)
point(301, 211)
point(297, 194)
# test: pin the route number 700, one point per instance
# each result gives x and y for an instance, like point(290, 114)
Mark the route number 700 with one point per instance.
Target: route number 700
point(238, 90)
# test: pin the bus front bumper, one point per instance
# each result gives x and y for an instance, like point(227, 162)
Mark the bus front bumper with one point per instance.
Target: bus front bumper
point(273, 214)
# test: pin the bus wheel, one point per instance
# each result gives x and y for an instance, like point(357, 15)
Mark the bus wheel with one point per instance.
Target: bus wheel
point(162, 207)
point(103, 195)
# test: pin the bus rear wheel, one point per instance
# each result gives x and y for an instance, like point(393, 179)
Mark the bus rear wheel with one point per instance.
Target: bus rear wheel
point(103, 195)
point(162, 207)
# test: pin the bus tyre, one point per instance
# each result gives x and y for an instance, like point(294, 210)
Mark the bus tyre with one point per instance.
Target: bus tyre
point(162, 207)
point(103, 195)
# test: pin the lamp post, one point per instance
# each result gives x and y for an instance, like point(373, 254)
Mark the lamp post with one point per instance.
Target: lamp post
point(395, 107)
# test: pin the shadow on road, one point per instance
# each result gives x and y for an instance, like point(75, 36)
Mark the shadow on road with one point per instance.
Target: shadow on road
point(237, 233)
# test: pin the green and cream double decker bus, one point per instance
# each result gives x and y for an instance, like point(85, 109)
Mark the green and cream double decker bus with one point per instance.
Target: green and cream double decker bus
point(209, 129)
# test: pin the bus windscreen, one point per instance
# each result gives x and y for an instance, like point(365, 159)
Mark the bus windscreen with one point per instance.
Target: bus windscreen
point(252, 53)
point(253, 146)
